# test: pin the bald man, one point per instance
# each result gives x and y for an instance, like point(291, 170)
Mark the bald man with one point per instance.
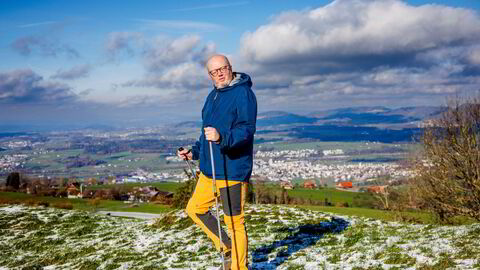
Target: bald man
point(229, 118)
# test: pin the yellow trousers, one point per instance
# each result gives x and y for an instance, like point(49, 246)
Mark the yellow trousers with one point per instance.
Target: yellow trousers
point(232, 194)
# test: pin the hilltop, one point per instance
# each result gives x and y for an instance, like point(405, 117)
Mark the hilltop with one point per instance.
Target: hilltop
point(280, 238)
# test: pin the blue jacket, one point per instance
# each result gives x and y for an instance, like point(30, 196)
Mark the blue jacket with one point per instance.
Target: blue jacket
point(232, 111)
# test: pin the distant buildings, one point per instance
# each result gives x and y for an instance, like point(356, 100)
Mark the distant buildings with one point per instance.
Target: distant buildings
point(11, 162)
point(287, 165)
point(75, 190)
point(18, 144)
point(148, 194)
point(286, 184)
point(346, 184)
point(333, 152)
point(310, 184)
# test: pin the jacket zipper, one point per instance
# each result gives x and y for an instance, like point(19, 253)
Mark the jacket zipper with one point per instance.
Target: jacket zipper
point(214, 103)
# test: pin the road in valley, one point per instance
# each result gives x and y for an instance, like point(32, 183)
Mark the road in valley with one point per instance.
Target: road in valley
point(130, 214)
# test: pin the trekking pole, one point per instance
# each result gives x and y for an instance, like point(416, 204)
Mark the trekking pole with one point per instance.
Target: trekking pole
point(216, 203)
point(192, 171)
point(194, 174)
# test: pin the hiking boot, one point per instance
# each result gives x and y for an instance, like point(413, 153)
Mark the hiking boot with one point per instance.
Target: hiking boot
point(227, 261)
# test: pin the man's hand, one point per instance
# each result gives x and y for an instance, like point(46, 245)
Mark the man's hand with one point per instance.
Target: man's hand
point(211, 134)
point(184, 154)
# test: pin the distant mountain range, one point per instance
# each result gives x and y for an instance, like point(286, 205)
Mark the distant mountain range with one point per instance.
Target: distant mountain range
point(12, 134)
point(189, 124)
point(353, 116)
point(376, 123)
point(273, 118)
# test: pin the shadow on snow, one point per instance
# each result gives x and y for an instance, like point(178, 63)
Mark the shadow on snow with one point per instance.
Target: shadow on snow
point(299, 238)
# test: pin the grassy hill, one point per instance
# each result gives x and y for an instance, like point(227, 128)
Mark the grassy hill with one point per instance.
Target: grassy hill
point(280, 238)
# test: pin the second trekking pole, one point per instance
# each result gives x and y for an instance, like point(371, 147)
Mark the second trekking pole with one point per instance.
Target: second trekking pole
point(192, 171)
point(216, 203)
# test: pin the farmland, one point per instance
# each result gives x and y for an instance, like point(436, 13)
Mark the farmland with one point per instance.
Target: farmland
point(86, 154)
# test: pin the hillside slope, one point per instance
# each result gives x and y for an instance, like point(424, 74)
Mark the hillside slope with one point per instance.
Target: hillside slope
point(280, 238)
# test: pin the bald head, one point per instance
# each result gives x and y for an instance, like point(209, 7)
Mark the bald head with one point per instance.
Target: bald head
point(217, 59)
point(219, 70)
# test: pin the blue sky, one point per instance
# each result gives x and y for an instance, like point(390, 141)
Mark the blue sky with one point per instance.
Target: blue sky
point(140, 62)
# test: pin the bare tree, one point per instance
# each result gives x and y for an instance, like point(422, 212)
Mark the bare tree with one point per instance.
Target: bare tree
point(382, 196)
point(448, 171)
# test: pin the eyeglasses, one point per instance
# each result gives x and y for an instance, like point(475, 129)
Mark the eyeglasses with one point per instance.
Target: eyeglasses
point(223, 69)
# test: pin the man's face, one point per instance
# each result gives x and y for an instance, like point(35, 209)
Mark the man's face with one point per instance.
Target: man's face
point(220, 72)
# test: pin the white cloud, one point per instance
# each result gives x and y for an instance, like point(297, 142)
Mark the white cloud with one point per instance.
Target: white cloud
point(177, 63)
point(123, 42)
point(44, 45)
point(361, 52)
point(188, 75)
point(80, 71)
point(168, 62)
point(473, 56)
point(25, 86)
point(37, 24)
point(170, 52)
point(349, 28)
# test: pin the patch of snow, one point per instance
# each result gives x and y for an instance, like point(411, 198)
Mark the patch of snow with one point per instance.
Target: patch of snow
point(12, 208)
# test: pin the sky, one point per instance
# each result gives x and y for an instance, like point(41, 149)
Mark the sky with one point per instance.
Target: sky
point(137, 63)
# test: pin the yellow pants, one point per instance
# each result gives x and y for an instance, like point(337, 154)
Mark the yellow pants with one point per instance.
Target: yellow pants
point(232, 194)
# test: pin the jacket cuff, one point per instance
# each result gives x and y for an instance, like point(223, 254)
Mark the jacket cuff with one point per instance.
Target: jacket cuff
point(195, 154)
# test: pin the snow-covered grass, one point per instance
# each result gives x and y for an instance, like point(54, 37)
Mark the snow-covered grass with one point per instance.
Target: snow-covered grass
point(280, 237)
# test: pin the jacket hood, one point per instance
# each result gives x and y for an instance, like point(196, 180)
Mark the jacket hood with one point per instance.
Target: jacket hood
point(238, 79)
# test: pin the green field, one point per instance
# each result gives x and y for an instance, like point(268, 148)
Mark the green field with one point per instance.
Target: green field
point(164, 186)
point(117, 163)
point(83, 204)
point(345, 146)
point(334, 196)
point(331, 194)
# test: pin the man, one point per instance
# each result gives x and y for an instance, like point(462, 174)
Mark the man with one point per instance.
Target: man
point(229, 117)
